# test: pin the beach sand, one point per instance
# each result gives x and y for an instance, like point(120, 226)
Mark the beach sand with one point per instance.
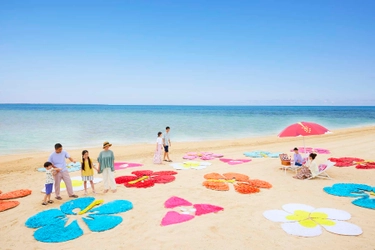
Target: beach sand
point(240, 226)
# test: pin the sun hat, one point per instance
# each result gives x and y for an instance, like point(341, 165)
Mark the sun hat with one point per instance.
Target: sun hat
point(105, 144)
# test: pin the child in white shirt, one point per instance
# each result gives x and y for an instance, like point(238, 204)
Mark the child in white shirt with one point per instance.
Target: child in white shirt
point(50, 172)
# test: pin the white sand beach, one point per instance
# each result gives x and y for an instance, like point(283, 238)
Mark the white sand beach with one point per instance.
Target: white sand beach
point(240, 226)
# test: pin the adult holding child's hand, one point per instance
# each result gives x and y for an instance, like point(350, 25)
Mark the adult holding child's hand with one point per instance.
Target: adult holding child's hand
point(57, 159)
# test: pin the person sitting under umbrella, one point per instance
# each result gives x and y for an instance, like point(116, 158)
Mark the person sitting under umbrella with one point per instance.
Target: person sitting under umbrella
point(298, 161)
point(308, 170)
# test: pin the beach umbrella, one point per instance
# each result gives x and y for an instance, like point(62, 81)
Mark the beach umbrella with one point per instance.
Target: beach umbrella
point(304, 129)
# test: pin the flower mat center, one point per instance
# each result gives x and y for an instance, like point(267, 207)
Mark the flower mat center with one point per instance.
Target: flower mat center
point(310, 220)
point(139, 179)
point(189, 165)
point(222, 180)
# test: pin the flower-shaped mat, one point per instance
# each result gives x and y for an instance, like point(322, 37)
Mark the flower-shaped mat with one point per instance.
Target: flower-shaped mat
point(53, 225)
point(361, 192)
point(306, 221)
point(146, 178)
point(6, 203)
point(186, 213)
point(242, 183)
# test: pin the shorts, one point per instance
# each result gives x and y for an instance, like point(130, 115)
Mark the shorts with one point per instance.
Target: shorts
point(166, 149)
point(87, 178)
point(49, 187)
point(298, 164)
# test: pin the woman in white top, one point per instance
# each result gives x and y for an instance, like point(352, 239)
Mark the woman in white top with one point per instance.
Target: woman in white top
point(159, 149)
point(308, 170)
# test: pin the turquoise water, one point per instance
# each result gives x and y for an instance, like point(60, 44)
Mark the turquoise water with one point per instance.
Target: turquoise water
point(33, 127)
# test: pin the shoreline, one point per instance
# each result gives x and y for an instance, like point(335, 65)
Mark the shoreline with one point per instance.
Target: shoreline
point(144, 151)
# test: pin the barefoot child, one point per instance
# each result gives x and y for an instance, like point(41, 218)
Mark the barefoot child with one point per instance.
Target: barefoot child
point(50, 172)
point(87, 171)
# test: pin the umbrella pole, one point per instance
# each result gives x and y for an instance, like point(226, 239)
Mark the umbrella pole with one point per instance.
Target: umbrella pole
point(304, 147)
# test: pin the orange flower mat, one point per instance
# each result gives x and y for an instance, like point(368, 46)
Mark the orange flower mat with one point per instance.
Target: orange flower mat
point(5, 205)
point(242, 183)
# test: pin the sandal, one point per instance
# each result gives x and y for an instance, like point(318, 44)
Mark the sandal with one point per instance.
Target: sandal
point(73, 196)
point(44, 203)
point(58, 198)
point(50, 201)
point(169, 161)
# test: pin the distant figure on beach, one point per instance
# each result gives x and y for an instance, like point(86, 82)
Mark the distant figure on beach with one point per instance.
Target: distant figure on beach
point(50, 173)
point(87, 171)
point(57, 159)
point(308, 170)
point(159, 149)
point(167, 144)
point(298, 161)
point(106, 161)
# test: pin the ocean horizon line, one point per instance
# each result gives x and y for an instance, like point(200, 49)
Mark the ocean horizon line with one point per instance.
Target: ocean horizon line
point(189, 105)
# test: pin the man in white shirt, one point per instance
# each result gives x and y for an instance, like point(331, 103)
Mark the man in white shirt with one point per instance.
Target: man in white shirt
point(57, 159)
point(167, 144)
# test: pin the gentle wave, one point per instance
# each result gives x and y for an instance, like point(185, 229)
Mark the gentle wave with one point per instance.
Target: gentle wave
point(35, 127)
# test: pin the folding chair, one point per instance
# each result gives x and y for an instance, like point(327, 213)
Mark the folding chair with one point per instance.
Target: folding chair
point(322, 171)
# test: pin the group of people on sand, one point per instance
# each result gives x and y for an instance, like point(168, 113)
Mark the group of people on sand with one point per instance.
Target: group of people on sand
point(56, 168)
point(307, 169)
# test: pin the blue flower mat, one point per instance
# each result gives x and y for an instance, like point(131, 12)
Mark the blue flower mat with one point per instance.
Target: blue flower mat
point(360, 191)
point(51, 224)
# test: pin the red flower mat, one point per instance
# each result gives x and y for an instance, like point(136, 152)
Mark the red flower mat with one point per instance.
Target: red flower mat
point(146, 178)
point(366, 165)
point(345, 161)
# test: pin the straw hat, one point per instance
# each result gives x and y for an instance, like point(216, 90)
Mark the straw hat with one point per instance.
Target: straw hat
point(105, 144)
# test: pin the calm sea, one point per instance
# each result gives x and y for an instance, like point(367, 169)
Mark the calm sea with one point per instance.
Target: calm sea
point(37, 127)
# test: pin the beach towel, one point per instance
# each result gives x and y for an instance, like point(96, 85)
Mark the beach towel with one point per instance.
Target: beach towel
point(77, 184)
point(261, 154)
point(72, 167)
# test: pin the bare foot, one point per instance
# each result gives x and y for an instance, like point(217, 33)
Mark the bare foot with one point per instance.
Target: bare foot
point(105, 191)
point(295, 177)
point(114, 191)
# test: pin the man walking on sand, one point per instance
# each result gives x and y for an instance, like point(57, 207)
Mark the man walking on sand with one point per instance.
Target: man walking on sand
point(57, 159)
point(167, 144)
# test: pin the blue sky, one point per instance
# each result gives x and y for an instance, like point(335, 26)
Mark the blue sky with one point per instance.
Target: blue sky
point(188, 52)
